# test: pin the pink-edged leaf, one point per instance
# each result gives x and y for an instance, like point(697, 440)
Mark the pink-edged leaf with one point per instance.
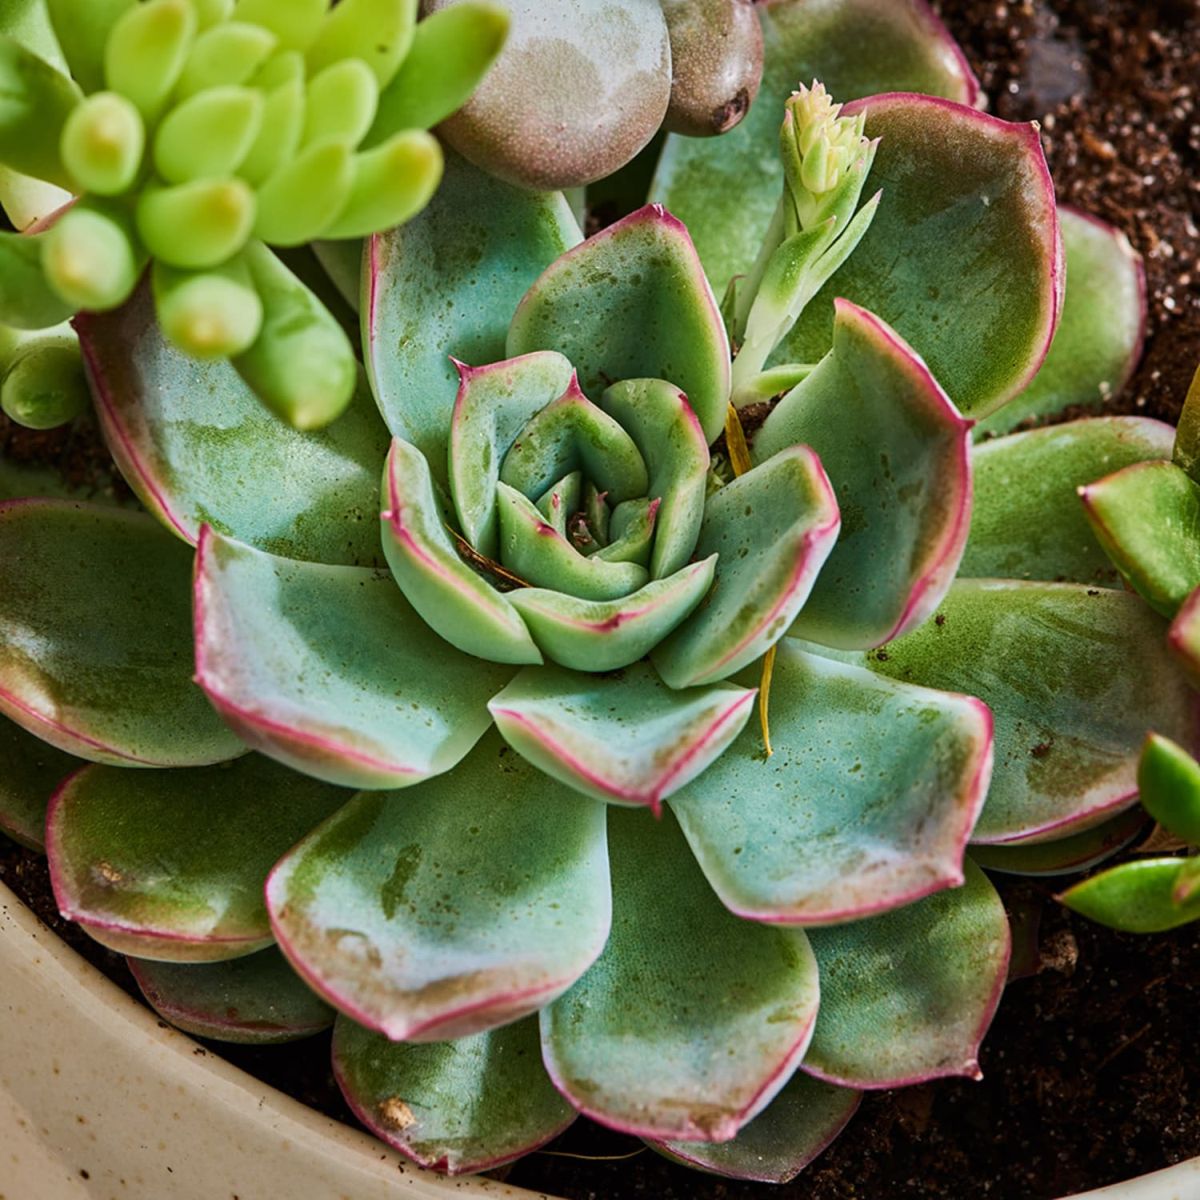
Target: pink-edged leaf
point(457, 1107)
point(691, 1020)
point(1075, 678)
point(866, 804)
point(725, 189)
point(329, 669)
point(625, 738)
point(1183, 638)
point(772, 530)
point(466, 903)
point(633, 303)
point(1099, 338)
point(257, 1000)
point(30, 772)
point(781, 1141)
point(170, 865)
point(198, 447)
point(898, 454)
point(95, 637)
point(908, 996)
point(1066, 855)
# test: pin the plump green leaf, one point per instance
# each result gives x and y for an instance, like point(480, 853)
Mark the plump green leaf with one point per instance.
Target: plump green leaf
point(37, 101)
point(1137, 897)
point(896, 450)
point(1075, 677)
point(30, 771)
point(379, 31)
point(1099, 338)
point(1169, 787)
point(1068, 855)
point(1027, 522)
point(95, 637)
point(256, 1000)
point(1146, 517)
point(908, 996)
point(81, 28)
point(27, 301)
point(866, 804)
point(691, 1020)
point(198, 447)
point(457, 1107)
point(170, 865)
point(632, 302)
point(329, 670)
point(463, 905)
point(725, 190)
point(773, 529)
point(446, 284)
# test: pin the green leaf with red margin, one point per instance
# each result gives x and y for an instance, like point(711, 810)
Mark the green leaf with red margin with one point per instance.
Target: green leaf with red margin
point(1169, 787)
point(1068, 855)
point(1183, 637)
point(30, 771)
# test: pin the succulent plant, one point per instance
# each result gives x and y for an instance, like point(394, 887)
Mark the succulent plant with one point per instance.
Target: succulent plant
point(572, 875)
point(195, 133)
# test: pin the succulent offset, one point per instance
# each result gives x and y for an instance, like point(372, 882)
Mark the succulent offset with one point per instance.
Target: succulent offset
point(571, 877)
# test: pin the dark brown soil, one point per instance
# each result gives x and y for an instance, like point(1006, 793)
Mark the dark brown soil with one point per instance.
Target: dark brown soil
point(1092, 1069)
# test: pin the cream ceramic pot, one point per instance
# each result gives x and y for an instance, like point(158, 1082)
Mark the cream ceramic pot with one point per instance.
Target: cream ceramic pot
point(98, 1101)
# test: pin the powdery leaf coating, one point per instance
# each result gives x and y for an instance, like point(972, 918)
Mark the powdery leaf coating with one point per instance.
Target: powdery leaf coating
point(907, 996)
point(30, 771)
point(470, 902)
point(866, 804)
point(455, 1107)
point(691, 1020)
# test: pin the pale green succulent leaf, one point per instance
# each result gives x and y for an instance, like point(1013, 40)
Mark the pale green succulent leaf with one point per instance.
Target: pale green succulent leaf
point(1169, 787)
point(1065, 856)
point(30, 771)
point(1136, 897)
point(81, 30)
point(38, 101)
point(27, 300)
point(377, 31)
point(295, 23)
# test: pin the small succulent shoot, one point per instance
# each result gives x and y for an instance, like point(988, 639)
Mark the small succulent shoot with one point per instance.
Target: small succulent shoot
point(205, 132)
point(1149, 895)
point(42, 380)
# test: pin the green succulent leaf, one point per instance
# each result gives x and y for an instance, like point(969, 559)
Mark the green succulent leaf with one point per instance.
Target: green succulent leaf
point(126, 697)
point(1027, 522)
point(1187, 437)
point(296, 23)
point(1099, 337)
point(257, 1000)
point(30, 771)
point(897, 451)
point(305, 195)
point(458, 1107)
point(27, 300)
point(329, 670)
point(207, 135)
point(1146, 517)
point(38, 100)
point(224, 55)
point(280, 130)
point(691, 1020)
point(170, 865)
point(1137, 897)
point(145, 52)
point(1169, 787)
point(1183, 638)
point(81, 28)
point(632, 302)
point(1068, 855)
point(624, 738)
point(446, 284)
point(198, 447)
point(1071, 713)
point(866, 804)
point(773, 529)
point(907, 996)
point(377, 31)
point(470, 902)
point(781, 1141)
point(725, 189)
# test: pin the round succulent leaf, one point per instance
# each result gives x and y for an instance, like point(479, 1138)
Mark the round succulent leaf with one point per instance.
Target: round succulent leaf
point(446, 283)
point(633, 302)
point(603, 80)
point(625, 738)
point(907, 996)
point(96, 637)
point(198, 447)
point(772, 529)
point(170, 865)
point(866, 804)
point(329, 669)
point(606, 635)
point(958, 187)
point(456, 1107)
point(462, 905)
point(494, 404)
point(725, 189)
point(1075, 678)
point(453, 599)
point(1066, 856)
point(1146, 516)
point(30, 771)
point(898, 454)
point(781, 1141)
point(691, 1020)
point(1183, 638)
point(668, 434)
point(1027, 522)
point(257, 1000)
point(1169, 787)
point(1099, 337)
point(1136, 897)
